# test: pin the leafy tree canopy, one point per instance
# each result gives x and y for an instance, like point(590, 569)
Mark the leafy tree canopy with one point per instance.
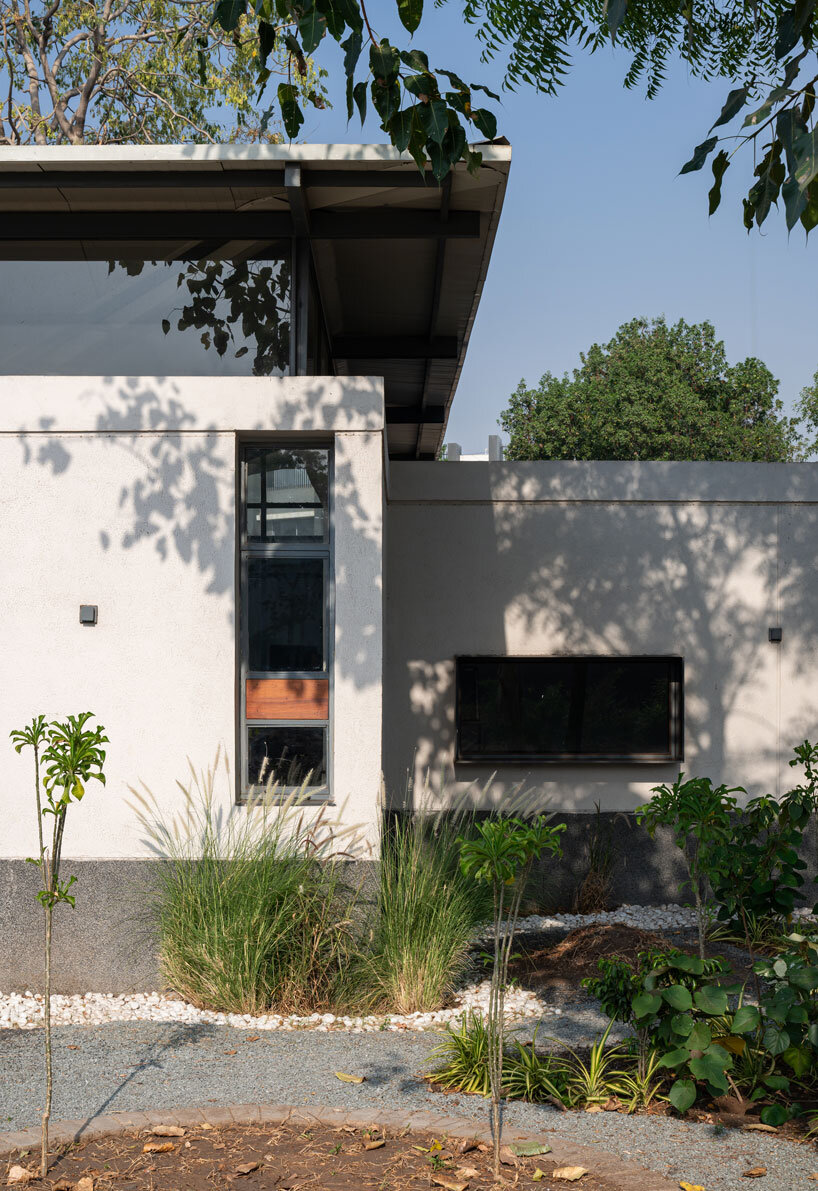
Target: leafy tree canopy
point(766, 47)
point(654, 392)
point(95, 71)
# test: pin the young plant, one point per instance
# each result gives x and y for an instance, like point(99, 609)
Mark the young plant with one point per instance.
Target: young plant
point(500, 856)
point(67, 755)
point(701, 818)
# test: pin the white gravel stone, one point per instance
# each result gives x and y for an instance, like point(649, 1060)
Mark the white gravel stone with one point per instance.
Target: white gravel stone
point(24, 1011)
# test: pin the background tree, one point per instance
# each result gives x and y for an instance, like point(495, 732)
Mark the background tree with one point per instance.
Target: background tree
point(765, 46)
point(654, 392)
point(105, 72)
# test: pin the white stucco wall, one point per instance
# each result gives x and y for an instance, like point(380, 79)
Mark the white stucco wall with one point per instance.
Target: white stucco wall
point(120, 492)
point(560, 558)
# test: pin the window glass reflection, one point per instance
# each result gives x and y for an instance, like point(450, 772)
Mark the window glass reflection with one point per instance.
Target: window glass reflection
point(137, 316)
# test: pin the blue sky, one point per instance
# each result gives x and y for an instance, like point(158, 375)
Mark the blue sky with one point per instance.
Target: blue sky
point(597, 228)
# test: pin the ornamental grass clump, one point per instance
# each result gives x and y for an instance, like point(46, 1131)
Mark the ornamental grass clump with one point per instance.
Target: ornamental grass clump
point(427, 912)
point(251, 906)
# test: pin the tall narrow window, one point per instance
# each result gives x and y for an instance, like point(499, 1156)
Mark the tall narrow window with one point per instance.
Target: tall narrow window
point(285, 561)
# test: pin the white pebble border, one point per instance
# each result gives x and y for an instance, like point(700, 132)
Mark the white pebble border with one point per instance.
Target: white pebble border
point(24, 1011)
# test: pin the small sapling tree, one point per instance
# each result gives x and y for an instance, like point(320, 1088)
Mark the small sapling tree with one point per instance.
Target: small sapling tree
point(501, 855)
point(700, 816)
point(67, 755)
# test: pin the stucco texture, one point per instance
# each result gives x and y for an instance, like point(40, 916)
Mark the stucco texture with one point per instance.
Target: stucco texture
point(121, 493)
point(542, 559)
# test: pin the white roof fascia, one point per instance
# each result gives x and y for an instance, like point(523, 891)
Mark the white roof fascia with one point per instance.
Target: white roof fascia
point(215, 156)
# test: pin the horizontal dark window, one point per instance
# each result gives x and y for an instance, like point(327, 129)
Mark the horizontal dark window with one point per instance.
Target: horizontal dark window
point(158, 309)
point(286, 756)
point(580, 709)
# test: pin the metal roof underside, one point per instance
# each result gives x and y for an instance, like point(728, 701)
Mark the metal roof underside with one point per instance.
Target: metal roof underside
point(400, 261)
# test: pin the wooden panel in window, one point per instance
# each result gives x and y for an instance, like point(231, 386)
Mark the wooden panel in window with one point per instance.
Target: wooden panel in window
point(287, 699)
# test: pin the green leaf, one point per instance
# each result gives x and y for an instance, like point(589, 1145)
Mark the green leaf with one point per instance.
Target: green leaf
point(415, 60)
point(700, 1036)
point(682, 1024)
point(352, 51)
point(774, 1114)
point(615, 14)
point(400, 128)
point(678, 997)
point(384, 61)
point(711, 1000)
point(312, 27)
point(791, 25)
point(359, 96)
point(775, 1039)
point(805, 153)
point(720, 164)
point(700, 155)
point(675, 1058)
point(745, 1019)
point(486, 122)
point(804, 978)
point(682, 1094)
point(434, 119)
point(732, 106)
point(798, 1058)
point(291, 113)
point(646, 1004)
point(410, 12)
point(228, 13)
point(266, 39)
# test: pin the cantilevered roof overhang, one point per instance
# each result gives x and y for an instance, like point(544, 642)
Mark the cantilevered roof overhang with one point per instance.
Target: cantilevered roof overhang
point(399, 261)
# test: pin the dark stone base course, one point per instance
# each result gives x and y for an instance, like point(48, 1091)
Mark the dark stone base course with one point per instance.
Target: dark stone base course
point(563, 1153)
point(108, 944)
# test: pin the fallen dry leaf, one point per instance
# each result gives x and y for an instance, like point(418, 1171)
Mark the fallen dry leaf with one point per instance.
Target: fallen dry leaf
point(762, 1128)
point(86, 1183)
point(18, 1175)
point(448, 1184)
point(757, 1172)
point(345, 1078)
point(168, 1131)
point(158, 1147)
point(375, 1144)
point(247, 1167)
point(529, 1149)
point(571, 1174)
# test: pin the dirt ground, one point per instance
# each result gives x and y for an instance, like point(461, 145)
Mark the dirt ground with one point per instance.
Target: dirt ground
point(548, 962)
point(289, 1157)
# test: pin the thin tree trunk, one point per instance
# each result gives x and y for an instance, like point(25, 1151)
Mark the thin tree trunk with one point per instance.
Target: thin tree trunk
point(47, 1015)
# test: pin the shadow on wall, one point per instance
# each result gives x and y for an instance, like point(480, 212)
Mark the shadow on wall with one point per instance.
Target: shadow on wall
point(181, 501)
point(507, 575)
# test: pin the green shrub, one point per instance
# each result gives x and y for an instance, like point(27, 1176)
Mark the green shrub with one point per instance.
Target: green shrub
point(252, 911)
point(426, 915)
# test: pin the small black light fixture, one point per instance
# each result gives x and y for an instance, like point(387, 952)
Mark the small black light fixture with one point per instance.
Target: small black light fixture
point(88, 613)
point(774, 635)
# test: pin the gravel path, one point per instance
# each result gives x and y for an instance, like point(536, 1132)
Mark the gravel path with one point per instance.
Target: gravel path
point(147, 1065)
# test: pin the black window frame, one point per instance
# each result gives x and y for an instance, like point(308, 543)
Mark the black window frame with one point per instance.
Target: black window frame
point(248, 548)
point(674, 755)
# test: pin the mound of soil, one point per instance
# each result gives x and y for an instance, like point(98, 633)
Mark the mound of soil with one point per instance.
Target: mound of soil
point(545, 961)
point(286, 1158)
